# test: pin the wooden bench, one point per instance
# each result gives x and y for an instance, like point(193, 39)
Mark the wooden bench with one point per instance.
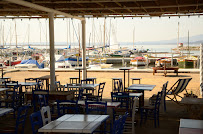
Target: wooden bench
point(165, 70)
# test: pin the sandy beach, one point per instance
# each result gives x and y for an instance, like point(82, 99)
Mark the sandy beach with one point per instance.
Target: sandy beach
point(147, 78)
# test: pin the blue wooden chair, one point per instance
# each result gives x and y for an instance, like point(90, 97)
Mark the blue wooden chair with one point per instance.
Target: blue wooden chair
point(116, 126)
point(118, 86)
point(100, 107)
point(36, 121)
point(20, 122)
point(31, 80)
point(99, 95)
point(13, 99)
point(123, 120)
point(152, 111)
point(40, 99)
point(177, 88)
point(67, 106)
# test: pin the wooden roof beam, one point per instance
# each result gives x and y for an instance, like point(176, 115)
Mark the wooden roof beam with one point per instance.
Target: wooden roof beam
point(123, 6)
point(41, 8)
point(177, 2)
point(117, 8)
point(88, 1)
point(106, 6)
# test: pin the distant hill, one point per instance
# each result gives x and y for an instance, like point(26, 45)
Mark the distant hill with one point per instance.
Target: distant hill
point(193, 40)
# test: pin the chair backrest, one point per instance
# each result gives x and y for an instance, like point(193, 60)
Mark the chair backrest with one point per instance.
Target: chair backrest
point(96, 106)
point(116, 126)
point(36, 121)
point(40, 98)
point(46, 115)
point(58, 86)
point(11, 82)
point(31, 79)
point(158, 102)
point(181, 85)
point(100, 91)
point(14, 95)
point(87, 81)
point(118, 86)
point(123, 120)
point(21, 117)
point(80, 94)
point(122, 97)
point(67, 106)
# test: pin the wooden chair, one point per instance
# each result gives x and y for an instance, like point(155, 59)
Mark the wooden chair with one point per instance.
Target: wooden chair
point(152, 111)
point(36, 121)
point(46, 115)
point(20, 123)
point(99, 95)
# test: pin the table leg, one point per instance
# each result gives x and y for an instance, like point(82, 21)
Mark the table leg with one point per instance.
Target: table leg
point(47, 84)
point(141, 100)
point(124, 81)
point(21, 94)
point(2, 71)
point(79, 75)
point(128, 77)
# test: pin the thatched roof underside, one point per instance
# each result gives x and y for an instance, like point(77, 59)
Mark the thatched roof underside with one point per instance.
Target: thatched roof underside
point(107, 8)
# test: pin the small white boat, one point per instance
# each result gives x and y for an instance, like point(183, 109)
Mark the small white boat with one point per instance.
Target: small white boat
point(138, 61)
point(106, 66)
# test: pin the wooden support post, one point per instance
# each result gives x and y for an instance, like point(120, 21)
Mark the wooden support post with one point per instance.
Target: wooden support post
point(52, 52)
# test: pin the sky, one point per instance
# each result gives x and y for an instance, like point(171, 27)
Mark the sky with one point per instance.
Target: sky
point(117, 30)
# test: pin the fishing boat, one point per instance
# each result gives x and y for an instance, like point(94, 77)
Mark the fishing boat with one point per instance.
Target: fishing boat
point(138, 61)
point(13, 61)
point(164, 61)
point(187, 62)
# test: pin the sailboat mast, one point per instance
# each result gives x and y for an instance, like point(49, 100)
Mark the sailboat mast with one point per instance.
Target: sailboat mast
point(104, 34)
point(188, 44)
point(133, 37)
point(67, 33)
point(16, 38)
point(3, 37)
point(178, 35)
point(79, 37)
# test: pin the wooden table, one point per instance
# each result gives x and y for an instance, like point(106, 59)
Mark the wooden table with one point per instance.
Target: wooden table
point(46, 78)
point(4, 89)
point(124, 69)
point(191, 126)
point(59, 95)
point(141, 88)
point(4, 111)
point(81, 68)
point(21, 84)
point(165, 70)
point(74, 123)
point(6, 78)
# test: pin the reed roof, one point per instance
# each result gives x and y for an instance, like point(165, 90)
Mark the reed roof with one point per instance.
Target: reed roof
point(107, 8)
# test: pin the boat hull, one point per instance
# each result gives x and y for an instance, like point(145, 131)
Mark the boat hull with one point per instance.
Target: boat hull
point(186, 63)
point(138, 63)
point(13, 63)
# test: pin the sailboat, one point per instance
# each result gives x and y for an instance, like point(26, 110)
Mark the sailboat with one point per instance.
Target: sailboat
point(188, 61)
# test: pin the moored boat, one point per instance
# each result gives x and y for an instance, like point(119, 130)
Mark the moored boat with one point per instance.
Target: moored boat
point(138, 61)
point(164, 61)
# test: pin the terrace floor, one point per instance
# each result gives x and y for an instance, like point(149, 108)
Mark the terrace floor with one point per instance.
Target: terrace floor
point(169, 121)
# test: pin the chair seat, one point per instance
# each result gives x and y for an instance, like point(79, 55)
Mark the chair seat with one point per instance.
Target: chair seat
point(148, 107)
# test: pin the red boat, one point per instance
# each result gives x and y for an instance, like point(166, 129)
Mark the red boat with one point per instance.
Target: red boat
point(12, 62)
